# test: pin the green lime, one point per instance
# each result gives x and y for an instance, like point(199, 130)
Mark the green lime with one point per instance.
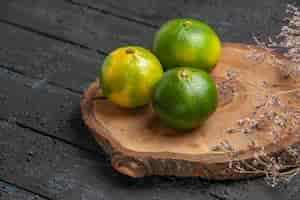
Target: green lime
point(187, 42)
point(185, 97)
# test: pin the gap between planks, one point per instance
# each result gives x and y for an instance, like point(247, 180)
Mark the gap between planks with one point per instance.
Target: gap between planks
point(24, 126)
point(33, 193)
point(58, 38)
point(106, 12)
point(51, 36)
point(39, 132)
point(50, 83)
point(70, 42)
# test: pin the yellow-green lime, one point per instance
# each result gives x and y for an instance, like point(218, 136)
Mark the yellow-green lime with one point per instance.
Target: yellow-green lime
point(128, 76)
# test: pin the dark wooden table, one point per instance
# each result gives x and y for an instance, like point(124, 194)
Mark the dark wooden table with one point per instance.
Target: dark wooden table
point(50, 50)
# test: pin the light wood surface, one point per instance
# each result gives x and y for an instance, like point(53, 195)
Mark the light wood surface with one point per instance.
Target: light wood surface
point(140, 144)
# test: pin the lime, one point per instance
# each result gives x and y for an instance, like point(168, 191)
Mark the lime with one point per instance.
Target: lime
point(185, 97)
point(187, 42)
point(128, 76)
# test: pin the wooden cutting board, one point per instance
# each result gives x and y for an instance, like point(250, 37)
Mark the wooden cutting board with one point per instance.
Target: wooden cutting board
point(230, 143)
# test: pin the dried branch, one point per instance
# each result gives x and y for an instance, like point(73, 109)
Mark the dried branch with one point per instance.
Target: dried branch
point(272, 115)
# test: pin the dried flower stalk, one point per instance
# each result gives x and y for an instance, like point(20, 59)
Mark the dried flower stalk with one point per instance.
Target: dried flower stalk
point(272, 115)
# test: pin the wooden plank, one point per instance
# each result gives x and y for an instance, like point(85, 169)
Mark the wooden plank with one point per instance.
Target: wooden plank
point(55, 61)
point(11, 192)
point(51, 110)
point(106, 25)
point(48, 166)
point(80, 25)
point(59, 171)
point(234, 20)
point(88, 25)
point(153, 12)
point(48, 59)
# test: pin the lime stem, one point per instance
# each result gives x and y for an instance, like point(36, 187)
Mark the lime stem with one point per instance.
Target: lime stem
point(184, 73)
point(187, 23)
point(129, 51)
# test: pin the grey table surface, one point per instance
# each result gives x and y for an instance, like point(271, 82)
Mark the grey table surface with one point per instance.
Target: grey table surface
point(50, 50)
